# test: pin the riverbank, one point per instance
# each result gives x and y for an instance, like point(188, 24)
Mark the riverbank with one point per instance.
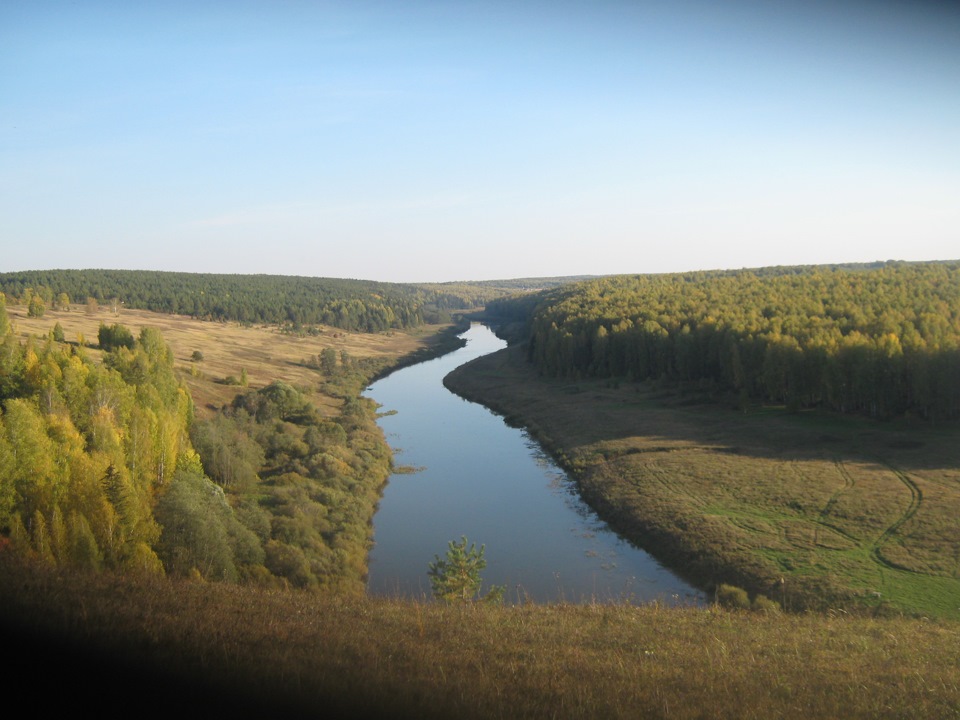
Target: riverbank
point(813, 511)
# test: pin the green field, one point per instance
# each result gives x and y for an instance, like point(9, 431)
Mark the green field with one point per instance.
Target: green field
point(813, 510)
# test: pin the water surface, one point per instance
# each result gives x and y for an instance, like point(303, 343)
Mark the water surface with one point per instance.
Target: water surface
point(492, 483)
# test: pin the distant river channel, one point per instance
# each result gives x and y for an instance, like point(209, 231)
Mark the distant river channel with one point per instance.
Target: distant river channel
point(476, 476)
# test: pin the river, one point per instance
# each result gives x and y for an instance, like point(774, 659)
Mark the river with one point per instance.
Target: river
point(477, 477)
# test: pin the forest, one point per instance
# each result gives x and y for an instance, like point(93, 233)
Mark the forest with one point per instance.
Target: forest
point(881, 340)
point(104, 466)
point(354, 305)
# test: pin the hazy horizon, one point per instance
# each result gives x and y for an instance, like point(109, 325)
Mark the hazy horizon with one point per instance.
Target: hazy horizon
point(448, 141)
point(451, 281)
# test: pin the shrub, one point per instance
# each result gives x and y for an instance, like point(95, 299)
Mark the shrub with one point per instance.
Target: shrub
point(194, 515)
point(762, 603)
point(730, 596)
point(36, 307)
point(114, 336)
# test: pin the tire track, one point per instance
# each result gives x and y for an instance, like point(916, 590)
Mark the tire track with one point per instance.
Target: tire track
point(916, 498)
point(664, 478)
point(848, 484)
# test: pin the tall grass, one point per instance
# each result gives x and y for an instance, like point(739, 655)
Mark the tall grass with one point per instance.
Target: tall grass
point(104, 641)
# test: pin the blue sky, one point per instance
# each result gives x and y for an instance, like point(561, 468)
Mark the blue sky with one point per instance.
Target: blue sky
point(435, 141)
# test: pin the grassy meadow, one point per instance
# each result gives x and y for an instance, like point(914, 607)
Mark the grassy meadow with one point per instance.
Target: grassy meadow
point(229, 348)
point(809, 509)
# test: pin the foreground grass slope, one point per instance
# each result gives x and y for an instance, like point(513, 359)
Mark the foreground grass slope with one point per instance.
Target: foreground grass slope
point(810, 509)
point(191, 647)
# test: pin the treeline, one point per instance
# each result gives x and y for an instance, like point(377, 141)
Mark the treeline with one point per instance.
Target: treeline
point(102, 466)
point(355, 305)
point(882, 340)
point(463, 295)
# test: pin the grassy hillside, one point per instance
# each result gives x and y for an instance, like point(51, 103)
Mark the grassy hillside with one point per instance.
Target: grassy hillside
point(180, 647)
point(264, 351)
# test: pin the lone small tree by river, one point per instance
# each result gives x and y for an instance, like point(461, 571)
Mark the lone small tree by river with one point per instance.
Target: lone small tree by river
point(456, 577)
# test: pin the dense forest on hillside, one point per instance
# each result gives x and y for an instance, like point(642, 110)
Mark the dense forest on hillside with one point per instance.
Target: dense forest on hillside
point(881, 340)
point(85, 449)
point(355, 305)
point(102, 465)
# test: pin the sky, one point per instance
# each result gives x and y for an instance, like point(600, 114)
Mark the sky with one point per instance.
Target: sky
point(442, 141)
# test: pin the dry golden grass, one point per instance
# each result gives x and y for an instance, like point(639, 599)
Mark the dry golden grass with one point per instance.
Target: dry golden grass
point(850, 512)
point(228, 348)
point(182, 647)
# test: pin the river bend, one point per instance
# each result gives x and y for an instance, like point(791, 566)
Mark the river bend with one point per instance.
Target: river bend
point(476, 476)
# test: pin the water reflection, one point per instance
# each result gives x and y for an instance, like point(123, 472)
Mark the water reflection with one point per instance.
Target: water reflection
point(478, 477)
